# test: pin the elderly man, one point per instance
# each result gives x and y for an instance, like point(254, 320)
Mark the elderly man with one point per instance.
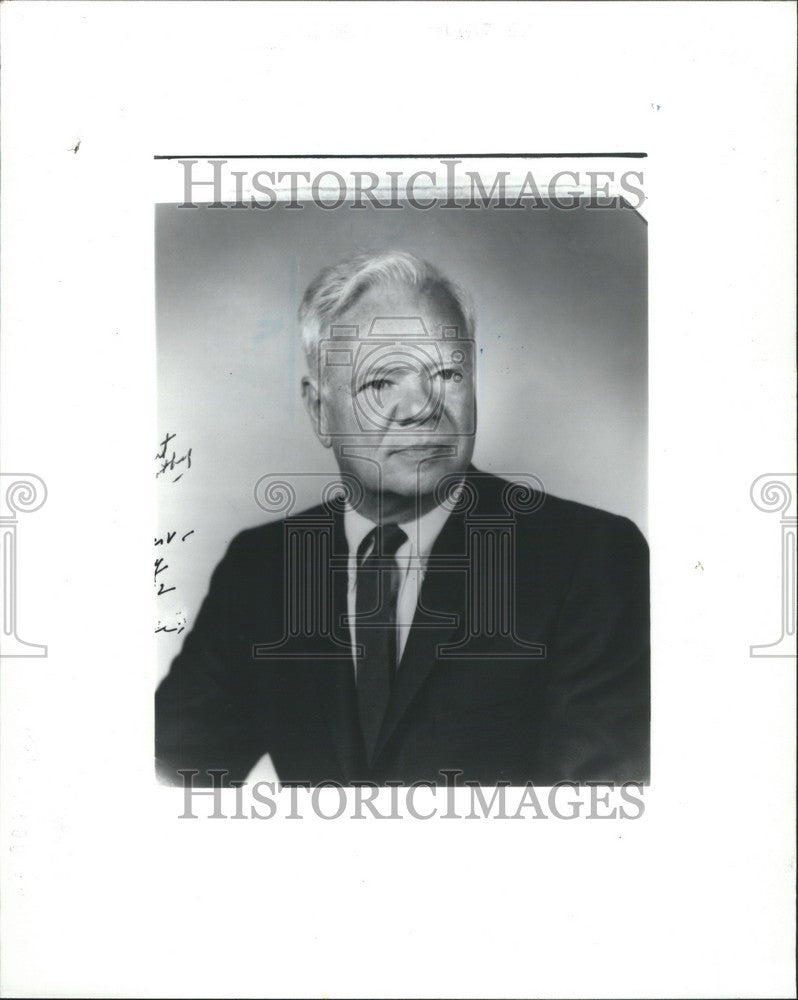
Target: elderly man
point(458, 621)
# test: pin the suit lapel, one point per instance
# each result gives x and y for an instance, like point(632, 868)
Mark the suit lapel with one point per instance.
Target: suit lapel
point(337, 687)
point(439, 614)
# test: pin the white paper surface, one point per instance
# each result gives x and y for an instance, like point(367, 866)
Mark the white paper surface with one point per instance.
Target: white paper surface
point(105, 891)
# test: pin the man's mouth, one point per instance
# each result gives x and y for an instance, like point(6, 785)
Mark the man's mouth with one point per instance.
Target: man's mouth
point(420, 450)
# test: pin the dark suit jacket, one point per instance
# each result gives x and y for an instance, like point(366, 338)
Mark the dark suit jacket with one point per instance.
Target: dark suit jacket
point(528, 659)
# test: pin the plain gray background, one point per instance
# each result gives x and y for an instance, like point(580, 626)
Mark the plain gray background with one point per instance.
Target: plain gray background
point(560, 298)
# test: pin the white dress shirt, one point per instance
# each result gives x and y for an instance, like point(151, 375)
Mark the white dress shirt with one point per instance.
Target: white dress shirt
point(411, 558)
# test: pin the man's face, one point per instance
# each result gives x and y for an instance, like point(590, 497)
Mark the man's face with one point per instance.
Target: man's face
point(395, 392)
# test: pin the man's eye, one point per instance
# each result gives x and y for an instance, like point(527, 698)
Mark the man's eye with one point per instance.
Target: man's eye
point(377, 384)
point(447, 374)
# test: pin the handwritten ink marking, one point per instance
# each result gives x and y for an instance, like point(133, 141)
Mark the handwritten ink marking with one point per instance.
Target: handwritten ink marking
point(163, 446)
point(170, 536)
point(160, 567)
point(180, 625)
point(169, 460)
point(169, 464)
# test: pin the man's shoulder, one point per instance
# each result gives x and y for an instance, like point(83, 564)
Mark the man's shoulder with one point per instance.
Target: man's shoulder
point(562, 541)
point(520, 498)
point(270, 536)
point(524, 499)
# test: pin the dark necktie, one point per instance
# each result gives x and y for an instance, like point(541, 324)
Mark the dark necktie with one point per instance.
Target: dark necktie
point(375, 626)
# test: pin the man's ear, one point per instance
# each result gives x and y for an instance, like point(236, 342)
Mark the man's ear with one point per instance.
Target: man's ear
point(312, 400)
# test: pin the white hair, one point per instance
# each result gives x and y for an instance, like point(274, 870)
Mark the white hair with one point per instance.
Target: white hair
point(338, 287)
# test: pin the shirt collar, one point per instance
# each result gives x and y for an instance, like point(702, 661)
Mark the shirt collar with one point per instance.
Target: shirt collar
point(422, 532)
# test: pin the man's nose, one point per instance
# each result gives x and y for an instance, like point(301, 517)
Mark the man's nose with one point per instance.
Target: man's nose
point(414, 404)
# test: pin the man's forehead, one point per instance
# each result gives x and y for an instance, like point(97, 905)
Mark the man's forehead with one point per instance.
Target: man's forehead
point(396, 309)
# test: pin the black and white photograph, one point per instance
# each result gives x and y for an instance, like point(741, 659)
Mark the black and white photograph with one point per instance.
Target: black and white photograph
point(428, 409)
